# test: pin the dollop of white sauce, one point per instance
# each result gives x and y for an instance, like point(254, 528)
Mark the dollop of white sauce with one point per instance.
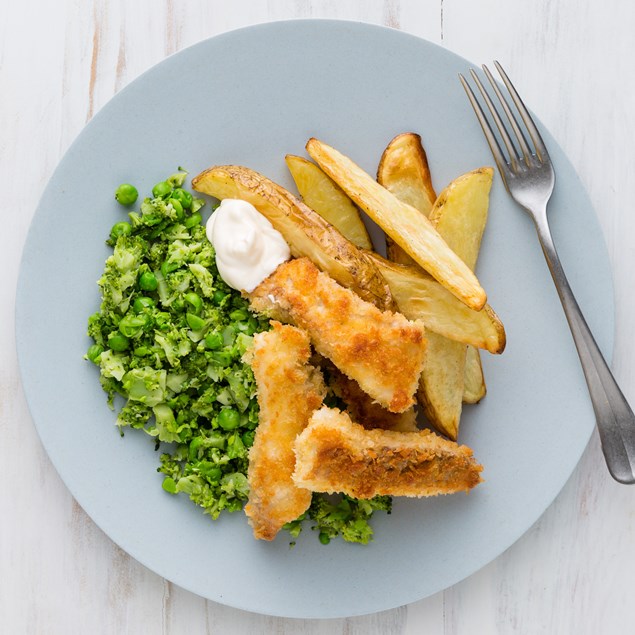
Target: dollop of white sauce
point(248, 248)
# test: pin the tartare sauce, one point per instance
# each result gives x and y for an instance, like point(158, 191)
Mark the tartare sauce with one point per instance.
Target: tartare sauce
point(248, 248)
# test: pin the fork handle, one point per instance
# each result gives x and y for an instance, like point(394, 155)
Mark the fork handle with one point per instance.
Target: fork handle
point(614, 417)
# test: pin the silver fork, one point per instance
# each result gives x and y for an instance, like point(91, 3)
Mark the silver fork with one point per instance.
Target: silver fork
point(529, 177)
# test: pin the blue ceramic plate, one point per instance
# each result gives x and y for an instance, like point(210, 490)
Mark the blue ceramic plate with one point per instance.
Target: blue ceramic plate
point(249, 97)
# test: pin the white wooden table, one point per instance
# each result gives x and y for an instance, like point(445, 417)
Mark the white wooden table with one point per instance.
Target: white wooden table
point(60, 62)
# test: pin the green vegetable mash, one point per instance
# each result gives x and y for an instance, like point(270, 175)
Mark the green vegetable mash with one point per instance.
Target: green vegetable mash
point(169, 338)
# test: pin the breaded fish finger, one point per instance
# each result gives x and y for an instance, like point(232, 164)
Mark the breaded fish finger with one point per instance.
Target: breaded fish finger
point(289, 391)
point(333, 454)
point(382, 351)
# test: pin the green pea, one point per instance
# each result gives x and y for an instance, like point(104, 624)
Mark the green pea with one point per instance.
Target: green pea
point(178, 208)
point(193, 220)
point(195, 323)
point(324, 538)
point(120, 229)
point(169, 485)
point(183, 197)
point(193, 300)
point(118, 342)
point(126, 194)
point(161, 189)
point(94, 352)
point(148, 281)
point(141, 303)
point(142, 351)
point(214, 341)
point(229, 419)
point(132, 325)
point(218, 297)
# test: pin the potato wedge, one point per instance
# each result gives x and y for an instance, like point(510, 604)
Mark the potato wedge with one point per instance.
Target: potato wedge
point(459, 215)
point(318, 190)
point(403, 169)
point(441, 385)
point(420, 296)
point(306, 232)
point(403, 223)
point(474, 384)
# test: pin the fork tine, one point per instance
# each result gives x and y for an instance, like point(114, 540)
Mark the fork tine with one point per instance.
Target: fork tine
point(539, 144)
point(509, 144)
point(499, 157)
point(524, 146)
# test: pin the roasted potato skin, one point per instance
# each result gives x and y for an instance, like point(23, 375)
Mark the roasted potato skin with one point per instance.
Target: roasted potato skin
point(306, 232)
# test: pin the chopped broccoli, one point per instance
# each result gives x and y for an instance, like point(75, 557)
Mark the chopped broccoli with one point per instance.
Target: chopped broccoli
point(134, 414)
point(145, 385)
point(113, 364)
point(341, 515)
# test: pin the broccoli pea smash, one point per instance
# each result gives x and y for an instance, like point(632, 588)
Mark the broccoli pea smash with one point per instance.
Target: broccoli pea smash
point(169, 338)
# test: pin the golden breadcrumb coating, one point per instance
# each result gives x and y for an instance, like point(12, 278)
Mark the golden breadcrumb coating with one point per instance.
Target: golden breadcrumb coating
point(333, 454)
point(289, 391)
point(382, 351)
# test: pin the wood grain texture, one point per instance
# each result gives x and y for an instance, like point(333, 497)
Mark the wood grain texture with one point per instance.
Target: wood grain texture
point(61, 62)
